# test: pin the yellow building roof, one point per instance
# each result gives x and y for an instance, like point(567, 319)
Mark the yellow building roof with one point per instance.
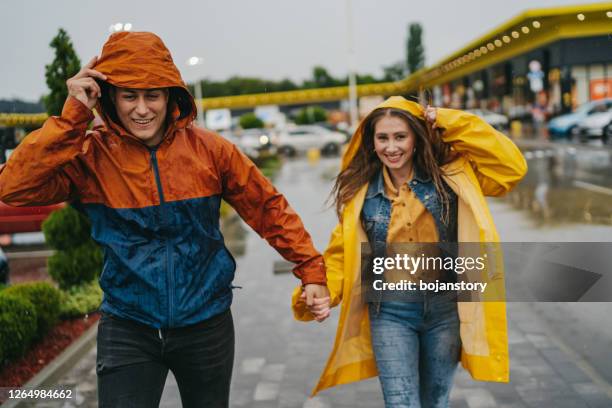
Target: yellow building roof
point(525, 32)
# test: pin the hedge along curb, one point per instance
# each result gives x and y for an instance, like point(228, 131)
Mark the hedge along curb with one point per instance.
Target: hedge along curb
point(48, 377)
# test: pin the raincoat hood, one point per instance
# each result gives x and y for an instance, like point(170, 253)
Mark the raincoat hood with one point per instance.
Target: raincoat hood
point(141, 60)
point(396, 102)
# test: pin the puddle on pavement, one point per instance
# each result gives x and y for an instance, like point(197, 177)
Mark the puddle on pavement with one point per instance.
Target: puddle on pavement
point(566, 185)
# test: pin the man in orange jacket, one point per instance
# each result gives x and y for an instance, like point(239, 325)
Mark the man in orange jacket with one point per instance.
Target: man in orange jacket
point(151, 183)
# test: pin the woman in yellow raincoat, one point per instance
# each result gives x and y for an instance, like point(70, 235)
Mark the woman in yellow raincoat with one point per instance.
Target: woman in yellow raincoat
point(464, 160)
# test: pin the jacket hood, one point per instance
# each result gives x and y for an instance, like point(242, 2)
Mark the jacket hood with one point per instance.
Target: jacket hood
point(141, 60)
point(396, 102)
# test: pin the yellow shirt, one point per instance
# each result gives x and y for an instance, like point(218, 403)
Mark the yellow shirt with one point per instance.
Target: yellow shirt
point(410, 223)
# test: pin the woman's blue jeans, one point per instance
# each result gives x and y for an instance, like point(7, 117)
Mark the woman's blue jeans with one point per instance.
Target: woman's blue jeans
point(417, 348)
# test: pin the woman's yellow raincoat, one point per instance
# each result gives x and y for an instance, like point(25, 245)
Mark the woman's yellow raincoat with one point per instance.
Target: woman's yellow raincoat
point(489, 165)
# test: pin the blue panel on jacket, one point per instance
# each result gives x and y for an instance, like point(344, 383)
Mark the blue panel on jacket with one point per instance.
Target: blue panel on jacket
point(166, 265)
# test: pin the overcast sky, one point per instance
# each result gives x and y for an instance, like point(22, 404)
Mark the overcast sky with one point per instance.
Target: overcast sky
point(264, 38)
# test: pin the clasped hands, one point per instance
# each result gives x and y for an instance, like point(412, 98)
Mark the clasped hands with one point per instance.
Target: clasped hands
point(317, 301)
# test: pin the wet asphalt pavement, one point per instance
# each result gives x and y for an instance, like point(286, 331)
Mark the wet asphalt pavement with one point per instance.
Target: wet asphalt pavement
point(559, 352)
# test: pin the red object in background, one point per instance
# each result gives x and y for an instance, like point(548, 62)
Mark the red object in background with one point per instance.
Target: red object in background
point(601, 88)
point(24, 219)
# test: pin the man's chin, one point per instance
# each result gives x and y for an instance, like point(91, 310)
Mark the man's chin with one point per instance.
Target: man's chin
point(142, 137)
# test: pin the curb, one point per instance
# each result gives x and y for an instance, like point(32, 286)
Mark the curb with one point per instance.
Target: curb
point(56, 369)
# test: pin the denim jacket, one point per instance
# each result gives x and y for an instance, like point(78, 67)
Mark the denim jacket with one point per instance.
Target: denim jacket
point(376, 212)
point(376, 215)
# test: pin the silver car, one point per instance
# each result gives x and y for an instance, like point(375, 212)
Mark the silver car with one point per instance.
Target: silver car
point(598, 125)
point(253, 142)
point(300, 139)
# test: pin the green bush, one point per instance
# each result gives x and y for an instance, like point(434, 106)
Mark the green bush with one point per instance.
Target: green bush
point(269, 164)
point(250, 121)
point(46, 301)
point(66, 228)
point(75, 266)
point(311, 114)
point(17, 325)
point(78, 258)
point(80, 300)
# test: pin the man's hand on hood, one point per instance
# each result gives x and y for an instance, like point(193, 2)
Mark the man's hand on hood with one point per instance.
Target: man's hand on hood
point(83, 85)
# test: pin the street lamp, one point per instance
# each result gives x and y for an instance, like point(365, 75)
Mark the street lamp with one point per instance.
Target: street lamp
point(120, 27)
point(192, 62)
point(351, 66)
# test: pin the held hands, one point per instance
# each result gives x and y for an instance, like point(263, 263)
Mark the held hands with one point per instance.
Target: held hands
point(83, 86)
point(317, 301)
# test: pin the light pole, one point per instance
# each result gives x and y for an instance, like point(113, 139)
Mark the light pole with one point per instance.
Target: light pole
point(192, 62)
point(351, 66)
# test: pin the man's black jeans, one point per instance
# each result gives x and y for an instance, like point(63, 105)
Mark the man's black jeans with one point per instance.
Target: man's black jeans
point(133, 362)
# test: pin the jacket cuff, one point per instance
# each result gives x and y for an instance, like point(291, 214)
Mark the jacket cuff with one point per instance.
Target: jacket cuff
point(449, 119)
point(312, 272)
point(76, 113)
point(445, 118)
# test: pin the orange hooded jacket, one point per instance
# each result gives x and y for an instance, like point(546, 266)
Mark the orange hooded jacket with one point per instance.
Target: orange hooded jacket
point(155, 211)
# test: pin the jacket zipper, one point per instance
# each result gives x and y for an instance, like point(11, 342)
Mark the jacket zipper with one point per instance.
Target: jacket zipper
point(169, 271)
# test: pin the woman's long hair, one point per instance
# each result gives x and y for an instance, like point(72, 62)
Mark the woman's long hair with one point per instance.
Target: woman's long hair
point(431, 153)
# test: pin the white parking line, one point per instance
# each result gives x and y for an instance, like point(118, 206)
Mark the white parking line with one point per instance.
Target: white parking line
point(593, 187)
point(252, 365)
point(266, 391)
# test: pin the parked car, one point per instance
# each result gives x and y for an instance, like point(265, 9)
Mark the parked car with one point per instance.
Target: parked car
point(303, 138)
point(597, 125)
point(253, 142)
point(24, 219)
point(4, 268)
point(566, 126)
point(498, 121)
point(519, 112)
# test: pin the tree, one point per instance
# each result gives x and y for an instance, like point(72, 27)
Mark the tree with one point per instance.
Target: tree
point(311, 114)
point(77, 259)
point(65, 65)
point(394, 72)
point(322, 78)
point(415, 53)
point(287, 85)
point(236, 85)
point(250, 121)
point(365, 79)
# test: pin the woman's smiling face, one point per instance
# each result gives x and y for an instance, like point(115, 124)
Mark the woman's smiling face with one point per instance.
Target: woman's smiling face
point(394, 143)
